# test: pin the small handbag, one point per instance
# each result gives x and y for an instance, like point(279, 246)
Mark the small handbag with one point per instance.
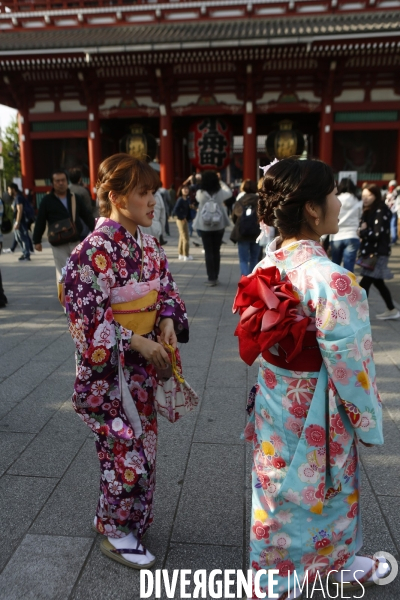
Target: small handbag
point(174, 397)
point(367, 262)
point(64, 231)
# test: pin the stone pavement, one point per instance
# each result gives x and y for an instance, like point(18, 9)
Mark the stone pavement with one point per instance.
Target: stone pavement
point(48, 465)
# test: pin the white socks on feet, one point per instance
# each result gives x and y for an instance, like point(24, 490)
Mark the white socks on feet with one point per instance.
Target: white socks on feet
point(130, 542)
point(363, 564)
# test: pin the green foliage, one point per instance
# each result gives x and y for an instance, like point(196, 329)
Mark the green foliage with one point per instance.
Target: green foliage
point(12, 164)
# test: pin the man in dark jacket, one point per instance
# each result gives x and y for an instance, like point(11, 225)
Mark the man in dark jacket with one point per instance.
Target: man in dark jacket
point(55, 207)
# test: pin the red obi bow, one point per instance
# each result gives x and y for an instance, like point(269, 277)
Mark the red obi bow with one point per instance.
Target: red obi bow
point(267, 307)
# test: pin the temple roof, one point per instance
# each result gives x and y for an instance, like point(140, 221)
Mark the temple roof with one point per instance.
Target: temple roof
point(300, 29)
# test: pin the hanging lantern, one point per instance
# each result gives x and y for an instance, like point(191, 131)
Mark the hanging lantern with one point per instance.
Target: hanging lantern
point(285, 141)
point(210, 144)
point(138, 144)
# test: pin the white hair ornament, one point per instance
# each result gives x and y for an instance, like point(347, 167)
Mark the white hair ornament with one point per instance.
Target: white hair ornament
point(265, 169)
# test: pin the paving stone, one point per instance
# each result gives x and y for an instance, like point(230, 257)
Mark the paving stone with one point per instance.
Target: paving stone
point(11, 446)
point(71, 507)
point(21, 499)
point(376, 535)
point(222, 417)
point(382, 461)
point(211, 510)
point(62, 348)
point(53, 449)
point(390, 508)
point(226, 375)
point(38, 407)
point(43, 568)
point(17, 387)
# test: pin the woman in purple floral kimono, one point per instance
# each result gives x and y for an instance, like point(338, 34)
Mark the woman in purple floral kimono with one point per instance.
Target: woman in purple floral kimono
point(121, 303)
point(316, 397)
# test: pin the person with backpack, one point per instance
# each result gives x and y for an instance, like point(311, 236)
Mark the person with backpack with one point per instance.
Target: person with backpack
point(22, 221)
point(247, 228)
point(211, 220)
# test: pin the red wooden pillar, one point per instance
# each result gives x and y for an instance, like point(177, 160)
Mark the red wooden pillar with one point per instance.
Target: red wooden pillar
point(326, 123)
point(166, 148)
point(249, 142)
point(326, 133)
point(94, 147)
point(25, 150)
point(249, 129)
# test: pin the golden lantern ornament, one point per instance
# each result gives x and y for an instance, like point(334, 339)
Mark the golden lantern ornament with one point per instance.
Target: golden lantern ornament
point(285, 141)
point(138, 144)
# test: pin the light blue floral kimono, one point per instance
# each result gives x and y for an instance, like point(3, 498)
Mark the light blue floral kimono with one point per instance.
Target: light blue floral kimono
point(305, 426)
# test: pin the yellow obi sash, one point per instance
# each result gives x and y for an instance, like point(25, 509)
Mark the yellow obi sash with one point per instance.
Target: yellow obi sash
point(138, 315)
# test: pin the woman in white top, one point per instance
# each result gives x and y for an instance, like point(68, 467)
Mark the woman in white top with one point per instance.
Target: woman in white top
point(345, 243)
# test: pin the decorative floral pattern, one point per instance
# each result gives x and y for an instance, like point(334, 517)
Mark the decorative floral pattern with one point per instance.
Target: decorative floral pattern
point(304, 426)
point(98, 265)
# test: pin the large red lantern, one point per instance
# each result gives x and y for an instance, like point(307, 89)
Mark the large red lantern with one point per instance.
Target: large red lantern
point(210, 144)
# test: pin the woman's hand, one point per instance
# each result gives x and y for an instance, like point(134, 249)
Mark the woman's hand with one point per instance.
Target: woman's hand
point(168, 335)
point(363, 226)
point(153, 352)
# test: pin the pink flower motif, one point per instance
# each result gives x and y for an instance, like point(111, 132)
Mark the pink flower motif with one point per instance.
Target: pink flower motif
point(261, 531)
point(308, 495)
point(341, 283)
point(270, 379)
point(335, 449)
point(99, 387)
point(285, 567)
point(142, 395)
point(341, 373)
point(294, 425)
point(276, 441)
point(351, 468)
point(355, 295)
point(315, 435)
point(337, 424)
point(94, 401)
point(298, 410)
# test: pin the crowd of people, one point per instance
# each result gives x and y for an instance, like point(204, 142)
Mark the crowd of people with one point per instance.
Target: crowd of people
point(203, 207)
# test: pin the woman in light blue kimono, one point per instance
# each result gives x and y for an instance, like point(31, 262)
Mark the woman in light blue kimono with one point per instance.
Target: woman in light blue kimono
point(316, 397)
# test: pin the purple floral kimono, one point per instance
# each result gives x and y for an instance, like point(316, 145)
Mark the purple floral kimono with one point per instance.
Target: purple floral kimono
point(103, 269)
point(305, 427)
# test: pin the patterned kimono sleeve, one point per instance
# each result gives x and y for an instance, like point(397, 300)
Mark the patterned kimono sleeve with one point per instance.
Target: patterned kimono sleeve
point(173, 306)
point(98, 338)
point(344, 337)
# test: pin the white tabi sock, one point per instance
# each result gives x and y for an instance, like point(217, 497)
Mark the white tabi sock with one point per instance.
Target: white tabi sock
point(130, 542)
point(363, 564)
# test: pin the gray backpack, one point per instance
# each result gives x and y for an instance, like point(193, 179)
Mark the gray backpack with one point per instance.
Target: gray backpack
point(211, 214)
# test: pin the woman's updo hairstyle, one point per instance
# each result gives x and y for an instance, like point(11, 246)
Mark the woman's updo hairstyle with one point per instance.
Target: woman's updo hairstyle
point(122, 173)
point(286, 188)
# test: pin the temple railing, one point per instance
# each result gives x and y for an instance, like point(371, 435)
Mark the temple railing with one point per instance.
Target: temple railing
point(36, 7)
